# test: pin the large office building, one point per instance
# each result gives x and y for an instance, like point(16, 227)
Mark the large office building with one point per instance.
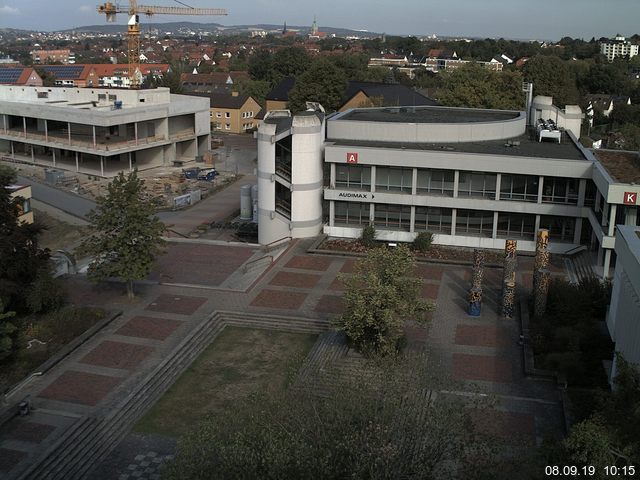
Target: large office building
point(472, 177)
point(101, 131)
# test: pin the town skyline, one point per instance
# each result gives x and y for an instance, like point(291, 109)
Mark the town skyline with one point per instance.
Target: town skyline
point(463, 18)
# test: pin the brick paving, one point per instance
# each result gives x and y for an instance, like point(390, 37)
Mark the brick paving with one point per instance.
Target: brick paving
point(296, 280)
point(307, 262)
point(199, 264)
point(180, 304)
point(349, 266)
point(80, 387)
point(31, 432)
point(429, 272)
point(9, 458)
point(336, 285)
point(481, 367)
point(279, 299)
point(482, 336)
point(330, 304)
point(117, 355)
point(430, 290)
point(149, 327)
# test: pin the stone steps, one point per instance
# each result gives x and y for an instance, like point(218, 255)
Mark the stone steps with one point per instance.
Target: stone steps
point(275, 322)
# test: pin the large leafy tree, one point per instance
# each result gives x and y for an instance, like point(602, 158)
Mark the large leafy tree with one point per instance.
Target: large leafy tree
point(552, 77)
point(323, 82)
point(380, 421)
point(380, 297)
point(474, 86)
point(126, 235)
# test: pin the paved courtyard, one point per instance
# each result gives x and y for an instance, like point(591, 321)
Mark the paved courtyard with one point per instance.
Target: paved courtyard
point(481, 353)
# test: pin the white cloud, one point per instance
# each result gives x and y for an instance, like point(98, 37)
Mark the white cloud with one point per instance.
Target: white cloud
point(85, 8)
point(6, 9)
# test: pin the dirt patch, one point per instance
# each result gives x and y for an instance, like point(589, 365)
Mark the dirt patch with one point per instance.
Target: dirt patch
point(58, 235)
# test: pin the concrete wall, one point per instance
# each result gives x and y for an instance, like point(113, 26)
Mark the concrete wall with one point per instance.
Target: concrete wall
point(181, 123)
point(570, 118)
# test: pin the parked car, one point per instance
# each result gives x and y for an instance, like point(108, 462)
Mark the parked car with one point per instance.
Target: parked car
point(207, 174)
point(191, 173)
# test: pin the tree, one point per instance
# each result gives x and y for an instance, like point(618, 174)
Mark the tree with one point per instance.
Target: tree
point(8, 330)
point(257, 89)
point(126, 234)
point(551, 77)
point(382, 294)
point(474, 86)
point(288, 62)
point(380, 422)
point(323, 82)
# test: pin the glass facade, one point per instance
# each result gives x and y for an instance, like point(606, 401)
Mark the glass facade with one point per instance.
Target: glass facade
point(519, 187)
point(433, 220)
point(560, 228)
point(516, 225)
point(439, 182)
point(394, 179)
point(477, 184)
point(474, 223)
point(560, 190)
point(351, 213)
point(395, 217)
point(355, 177)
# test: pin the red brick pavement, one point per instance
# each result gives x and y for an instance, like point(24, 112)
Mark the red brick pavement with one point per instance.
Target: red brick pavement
point(180, 304)
point(481, 367)
point(349, 266)
point(337, 285)
point(9, 458)
point(430, 290)
point(148, 327)
point(429, 272)
point(117, 355)
point(482, 336)
point(297, 280)
point(279, 299)
point(199, 264)
point(80, 387)
point(307, 262)
point(330, 304)
point(30, 432)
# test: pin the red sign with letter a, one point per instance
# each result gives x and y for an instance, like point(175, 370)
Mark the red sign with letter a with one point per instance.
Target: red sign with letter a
point(630, 198)
point(352, 157)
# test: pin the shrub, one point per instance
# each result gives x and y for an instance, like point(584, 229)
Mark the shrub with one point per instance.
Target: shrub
point(423, 241)
point(368, 238)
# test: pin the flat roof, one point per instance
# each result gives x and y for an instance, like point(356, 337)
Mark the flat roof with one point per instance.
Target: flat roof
point(527, 147)
point(428, 114)
point(623, 166)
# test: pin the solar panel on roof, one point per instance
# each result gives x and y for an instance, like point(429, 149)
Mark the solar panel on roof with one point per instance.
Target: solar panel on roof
point(10, 75)
point(64, 72)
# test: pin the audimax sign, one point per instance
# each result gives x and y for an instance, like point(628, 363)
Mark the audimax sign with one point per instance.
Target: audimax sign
point(363, 196)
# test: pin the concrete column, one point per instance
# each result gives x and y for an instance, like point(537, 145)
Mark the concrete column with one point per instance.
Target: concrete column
point(135, 130)
point(332, 177)
point(371, 213)
point(605, 214)
point(33, 157)
point(600, 255)
point(456, 181)
point(13, 154)
point(69, 131)
point(540, 188)
point(494, 232)
point(582, 190)
point(373, 179)
point(612, 219)
point(607, 263)
point(414, 187)
point(46, 131)
point(53, 150)
point(453, 221)
point(4, 121)
point(537, 224)
point(578, 231)
point(101, 165)
point(77, 165)
point(498, 181)
point(24, 126)
point(631, 216)
point(596, 207)
point(412, 225)
point(94, 137)
point(332, 211)
point(130, 163)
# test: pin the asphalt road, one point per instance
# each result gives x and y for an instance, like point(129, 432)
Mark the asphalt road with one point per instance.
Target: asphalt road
point(67, 202)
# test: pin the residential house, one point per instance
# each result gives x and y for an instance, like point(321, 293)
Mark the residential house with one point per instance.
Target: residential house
point(72, 75)
point(371, 94)
point(604, 104)
point(217, 82)
point(23, 192)
point(233, 113)
point(278, 97)
point(618, 47)
point(64, 56)
point(20, 76)
point(117, 75)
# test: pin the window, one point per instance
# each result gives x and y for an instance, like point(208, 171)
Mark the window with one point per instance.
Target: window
point(218, 115)
point(560, 190)
point(519, 187)
point(353, 176)
point(516, 225)
point(590, 194)
point(396, 217)
point(43, 94)
point(351, 213)
point(433, 219)
point(227, 126)
point(251, 114)
point(227, 115)
point(438, 182)
point(113, 98)
point(477, 184)
point(474, 222)
point(560, 228)
point(394, 179)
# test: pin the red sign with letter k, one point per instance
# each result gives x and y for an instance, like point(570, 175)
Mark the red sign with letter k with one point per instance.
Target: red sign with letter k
point(630, 198)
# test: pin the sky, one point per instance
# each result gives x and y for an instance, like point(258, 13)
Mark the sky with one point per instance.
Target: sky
point(518, 19)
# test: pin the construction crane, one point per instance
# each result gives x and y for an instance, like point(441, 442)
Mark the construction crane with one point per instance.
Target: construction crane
point(133, 26)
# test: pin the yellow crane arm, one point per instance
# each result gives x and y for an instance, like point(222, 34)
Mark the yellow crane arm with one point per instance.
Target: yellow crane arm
point(109, 8)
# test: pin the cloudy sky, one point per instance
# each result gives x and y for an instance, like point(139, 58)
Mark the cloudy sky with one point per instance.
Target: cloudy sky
point(526, 19)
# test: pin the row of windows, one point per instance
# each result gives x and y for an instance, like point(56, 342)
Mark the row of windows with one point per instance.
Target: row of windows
point(228, 114)
point(439, 220)
point(470, 184)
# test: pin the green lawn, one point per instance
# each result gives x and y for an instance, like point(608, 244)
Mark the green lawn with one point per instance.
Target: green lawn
point(239, 362)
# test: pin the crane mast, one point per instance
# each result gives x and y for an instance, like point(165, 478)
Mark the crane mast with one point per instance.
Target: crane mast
point(133, 27)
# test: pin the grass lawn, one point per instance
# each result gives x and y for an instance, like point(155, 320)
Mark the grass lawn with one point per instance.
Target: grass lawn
point(239, 362)
point(56, 329)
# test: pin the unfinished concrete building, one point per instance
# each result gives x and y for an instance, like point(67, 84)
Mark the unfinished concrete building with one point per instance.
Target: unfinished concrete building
point(101, 131)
